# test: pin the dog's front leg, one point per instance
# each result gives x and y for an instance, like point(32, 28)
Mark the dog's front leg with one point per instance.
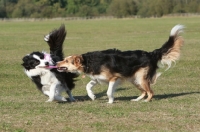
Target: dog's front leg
point(89, 87)
point(111, 89)
point(52, 91)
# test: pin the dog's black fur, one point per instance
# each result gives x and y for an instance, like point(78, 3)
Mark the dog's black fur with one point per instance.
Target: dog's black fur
point(125, 62)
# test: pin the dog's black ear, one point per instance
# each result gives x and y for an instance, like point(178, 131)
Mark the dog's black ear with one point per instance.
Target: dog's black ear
point(25, 58)
point(27, 62)
point(26, 66)
point(41, 56)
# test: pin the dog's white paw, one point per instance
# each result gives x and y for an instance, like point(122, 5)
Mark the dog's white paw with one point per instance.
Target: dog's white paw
point(111, 100)
point(135, 100)
point(146, 100)
point(64, 99)
point(49, 100)
point(92, 96)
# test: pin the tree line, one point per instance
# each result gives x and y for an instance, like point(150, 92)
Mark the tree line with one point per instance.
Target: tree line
point(91, 8)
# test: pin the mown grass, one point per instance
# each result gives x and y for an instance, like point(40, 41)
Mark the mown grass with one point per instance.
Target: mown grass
point(175, 106)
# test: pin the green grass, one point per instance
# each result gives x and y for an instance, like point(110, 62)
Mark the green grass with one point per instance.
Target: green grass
point(175, 106)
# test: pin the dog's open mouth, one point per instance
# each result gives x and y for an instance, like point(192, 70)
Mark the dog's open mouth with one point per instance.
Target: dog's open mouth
point(48, 67)
point(42, 66)
point(51, 67)
point(62, 68)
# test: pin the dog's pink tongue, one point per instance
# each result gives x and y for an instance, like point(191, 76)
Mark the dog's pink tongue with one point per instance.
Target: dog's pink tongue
point(51, 67)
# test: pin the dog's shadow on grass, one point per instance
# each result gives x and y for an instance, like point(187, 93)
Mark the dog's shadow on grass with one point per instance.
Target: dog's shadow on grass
point(161, 96)
point(86, 97)
point(125, 98)
point(173, 95)
point(98, 95)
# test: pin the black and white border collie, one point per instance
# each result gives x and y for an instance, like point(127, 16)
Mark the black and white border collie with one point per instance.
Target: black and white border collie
point(113, 66)
point(40, 67)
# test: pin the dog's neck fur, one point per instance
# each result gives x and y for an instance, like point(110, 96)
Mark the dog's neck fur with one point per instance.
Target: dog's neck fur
point(84, 67)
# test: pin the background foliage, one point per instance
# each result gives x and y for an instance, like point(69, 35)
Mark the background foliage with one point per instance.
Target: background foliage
point(90, 8)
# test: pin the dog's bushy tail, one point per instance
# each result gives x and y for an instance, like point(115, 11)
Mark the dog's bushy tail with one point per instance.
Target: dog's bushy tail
point(55, 41)
point(169, 53)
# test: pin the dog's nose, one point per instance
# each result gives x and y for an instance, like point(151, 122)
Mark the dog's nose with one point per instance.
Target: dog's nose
point(46, 63)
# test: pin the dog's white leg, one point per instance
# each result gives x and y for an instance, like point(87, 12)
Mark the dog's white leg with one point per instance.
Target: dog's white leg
point(60, 98)
point(70, 95)
point(140, 97)
point(111, 89)
point(52, 92)
point(46, 93)
point(89, 87)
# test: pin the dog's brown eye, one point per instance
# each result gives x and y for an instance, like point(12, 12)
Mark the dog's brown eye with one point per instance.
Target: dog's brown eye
point(66, 61)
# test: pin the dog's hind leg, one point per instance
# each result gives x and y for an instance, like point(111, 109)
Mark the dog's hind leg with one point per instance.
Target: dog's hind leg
point(89, 87)
point(142, 83)
point(149, 91)
point(70, 95)
point(60, 98)
point(111, 89)
point(144, 87)
point(52, 91)
point(141, 96)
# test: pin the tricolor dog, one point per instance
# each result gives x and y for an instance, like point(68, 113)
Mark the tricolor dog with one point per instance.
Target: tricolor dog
point(113, 66)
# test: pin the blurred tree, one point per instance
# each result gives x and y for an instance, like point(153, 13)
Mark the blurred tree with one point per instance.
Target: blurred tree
point(101, 7)
point(72, 8)
point(143, 8)
point(179, 8)
point(24, 8)
point(85, 10)
point(3, 9)
point(193, 6)
point(118, 8)
point(122, 8)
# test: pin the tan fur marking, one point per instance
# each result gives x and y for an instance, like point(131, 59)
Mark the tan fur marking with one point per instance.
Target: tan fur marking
point(146, 86)
point(110, 77)
point(173, 54)
point(113, 79)
point(140, 81)
point(140, 75)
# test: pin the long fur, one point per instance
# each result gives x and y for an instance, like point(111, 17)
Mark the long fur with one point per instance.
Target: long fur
point(112, 65)
point(49, 81)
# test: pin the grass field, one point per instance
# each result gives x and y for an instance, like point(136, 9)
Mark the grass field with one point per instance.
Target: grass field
point(174, 108)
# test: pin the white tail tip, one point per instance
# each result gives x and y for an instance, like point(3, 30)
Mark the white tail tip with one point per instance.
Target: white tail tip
point(177, 29)
point(46, 38)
